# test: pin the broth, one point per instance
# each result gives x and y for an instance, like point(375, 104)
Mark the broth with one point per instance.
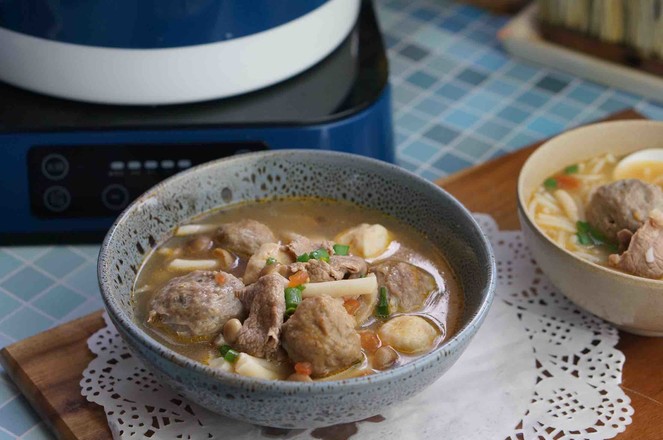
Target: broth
point(318, 220)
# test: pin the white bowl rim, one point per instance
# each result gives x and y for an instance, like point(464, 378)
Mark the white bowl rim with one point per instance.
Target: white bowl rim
point(522, 205)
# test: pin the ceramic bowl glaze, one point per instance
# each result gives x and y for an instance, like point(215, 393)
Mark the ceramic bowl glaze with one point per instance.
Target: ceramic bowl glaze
point(415, 201)
point(632, 303)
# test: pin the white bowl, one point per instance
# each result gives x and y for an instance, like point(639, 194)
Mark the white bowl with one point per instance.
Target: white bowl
point(631, 303)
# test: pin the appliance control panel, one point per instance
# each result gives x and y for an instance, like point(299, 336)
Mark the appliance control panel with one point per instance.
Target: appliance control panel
point(100, 181)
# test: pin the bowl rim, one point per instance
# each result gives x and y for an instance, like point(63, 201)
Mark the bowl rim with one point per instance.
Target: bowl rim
point(310, 388)
point(522, 206)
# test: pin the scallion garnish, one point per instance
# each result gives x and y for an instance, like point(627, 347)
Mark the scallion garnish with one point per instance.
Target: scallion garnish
point(550, 183)
point(271, 260)
point(588, 236)
point(231, 356)
point(382, 309)
point(320, 254)
point(303, 258)
point(224, 349)
point(293, 297)
point(571, 169)
point(341, 249)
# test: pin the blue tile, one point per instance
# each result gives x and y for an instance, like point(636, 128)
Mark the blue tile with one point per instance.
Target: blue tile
point(398, 4)
point(431, 106)
point(472, 76)
point(473, 147)
point(497, 153)
point(614, 105)
point(451, 91)
point(404, 95)
point(433, 38)
point(7, 304)
point(59, 261)
point(482, 37)
point(551, 83)
point(422, 79)
point(89, 306)
point(390, 41)
point(442, 64)
point(492, 60)
point(410, 122)
point(521, 72)
point(441, 134)
point(414, 52)
point(651, 111)
point(405, 27)
point(453, 24)
point(29, 253)
point(26, 283)
point(513, 114)
point(545, 126)
point(565, 110)
point(8, 263)
point(461, 119)
point(501, 87)
point(421, 150)
point(17, 416)
point(461, 50)
point(483, 102)
point(24, 323)
point(90, 250)
point(627, 97)
point(84, 280)
point(520, 140)
point(423, 13)
point(493, 130)
point(6, 436)
point(401, 136)
point(450, 163)
point(407, 164)
point(4, 341)
point(7, 389)
point(533, 99)
point(58, 301)
point(39, 432)
point(430, 174)
point(585, 93)
point(471, 12)
point(398, 67)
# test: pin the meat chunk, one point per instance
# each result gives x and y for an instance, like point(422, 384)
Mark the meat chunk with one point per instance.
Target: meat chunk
point(338, 268)
point(623, 204)
point(299, 245)
point(408, 285)
point(197, 304)
point(245, 237)
point(321, 332)
point(644, 256)
point(260, 333)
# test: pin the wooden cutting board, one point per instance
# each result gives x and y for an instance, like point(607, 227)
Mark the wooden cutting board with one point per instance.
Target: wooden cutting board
point(47, 367)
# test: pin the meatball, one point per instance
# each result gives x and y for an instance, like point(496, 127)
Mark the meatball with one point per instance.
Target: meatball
point(322, 333)
point(407, 284)
point(623, 204)
point(245, 237)
point(197, 304)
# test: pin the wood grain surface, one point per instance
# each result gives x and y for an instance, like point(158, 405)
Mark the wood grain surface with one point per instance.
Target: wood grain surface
point(47, 367)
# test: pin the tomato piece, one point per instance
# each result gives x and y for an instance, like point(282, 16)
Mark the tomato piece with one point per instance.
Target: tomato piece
point(304, 368)
point(298, 279)
point(351, 305)
point(567, 182)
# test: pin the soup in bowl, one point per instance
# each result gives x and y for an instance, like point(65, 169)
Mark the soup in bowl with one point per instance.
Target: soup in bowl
point(591, 206)
point(296, 288)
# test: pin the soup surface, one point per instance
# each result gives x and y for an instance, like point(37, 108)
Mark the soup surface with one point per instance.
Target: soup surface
point(608, 214)
point(298, 289)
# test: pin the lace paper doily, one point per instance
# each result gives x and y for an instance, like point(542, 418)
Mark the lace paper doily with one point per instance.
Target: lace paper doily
point(539, 368)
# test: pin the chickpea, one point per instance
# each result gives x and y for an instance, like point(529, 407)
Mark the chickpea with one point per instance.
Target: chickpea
point(384, 357)
point(231, 330)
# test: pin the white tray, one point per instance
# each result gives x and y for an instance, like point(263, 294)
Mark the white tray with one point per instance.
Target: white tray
point(521, 38)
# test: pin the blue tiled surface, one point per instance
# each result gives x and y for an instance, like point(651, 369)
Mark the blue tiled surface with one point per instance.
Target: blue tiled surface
point(458, 100)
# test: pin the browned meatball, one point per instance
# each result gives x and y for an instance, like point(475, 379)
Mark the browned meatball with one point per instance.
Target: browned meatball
point(197, 304)
point(321, 332)
point(624, 204)
point(245, 237)
point(407, 284)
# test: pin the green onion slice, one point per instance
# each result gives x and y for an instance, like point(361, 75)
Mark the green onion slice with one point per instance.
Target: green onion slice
point(588, 236)
point(320, 254)
point(571, 169)
point(550, 183)
point(382, 309)
point(224, 349)
point(293, 297)
point(271, 260)
point(231, 356)
point(303, 258)
point(341, 249)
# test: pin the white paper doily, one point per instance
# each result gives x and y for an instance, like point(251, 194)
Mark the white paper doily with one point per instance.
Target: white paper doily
point(539, 368)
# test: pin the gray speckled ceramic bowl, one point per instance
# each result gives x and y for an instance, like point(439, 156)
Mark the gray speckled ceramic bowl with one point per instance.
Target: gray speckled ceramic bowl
point(417, 202)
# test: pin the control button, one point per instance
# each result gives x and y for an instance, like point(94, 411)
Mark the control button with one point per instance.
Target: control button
point(184, 163)
point(167, 164)
point(115, 197)
point(57, 198)
point(54, 166)
point(134, 165)
point(151, 164)
point(117, 165)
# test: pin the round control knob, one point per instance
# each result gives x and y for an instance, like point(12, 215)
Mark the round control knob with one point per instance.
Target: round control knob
point(115, 197)
point(57, 198)
point(54, 166)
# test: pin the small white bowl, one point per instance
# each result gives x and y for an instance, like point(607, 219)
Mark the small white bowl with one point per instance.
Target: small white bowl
point(631, 303)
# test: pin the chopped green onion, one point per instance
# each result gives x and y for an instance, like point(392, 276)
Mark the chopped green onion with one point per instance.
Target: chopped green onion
point(341, 249)
point(271, 260)
point(231, 356)
point(224, 349)
point(550, 183)
point(303, 258)
point(382, 309)
point(320, 254)
point(293, 297)
point(588, 236)
point(301, 287)
point(571, 169)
